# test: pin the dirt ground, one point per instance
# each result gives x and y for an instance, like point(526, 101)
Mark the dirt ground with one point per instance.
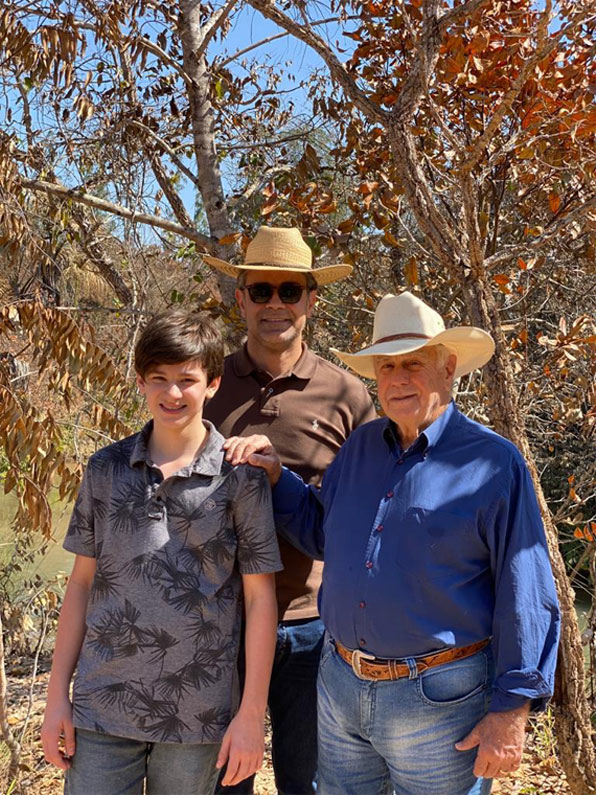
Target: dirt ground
point(539, 774)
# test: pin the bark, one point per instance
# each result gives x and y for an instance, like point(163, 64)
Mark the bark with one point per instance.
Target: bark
point(202, 117)
point(96, 255)
point(571, 708)
point(9, 738)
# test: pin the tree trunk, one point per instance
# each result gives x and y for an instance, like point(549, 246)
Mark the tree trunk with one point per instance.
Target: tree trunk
point(570, 706)
point(203, 132)
point(9, 738)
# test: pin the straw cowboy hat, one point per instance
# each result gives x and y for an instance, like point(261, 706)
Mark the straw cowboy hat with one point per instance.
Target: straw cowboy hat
point(284, 249)
point(404, 323)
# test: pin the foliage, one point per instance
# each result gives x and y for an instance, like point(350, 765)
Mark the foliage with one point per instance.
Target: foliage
point(452, 153)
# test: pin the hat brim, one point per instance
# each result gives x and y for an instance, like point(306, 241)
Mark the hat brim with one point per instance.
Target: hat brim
point(472, 346)
point(322, 276)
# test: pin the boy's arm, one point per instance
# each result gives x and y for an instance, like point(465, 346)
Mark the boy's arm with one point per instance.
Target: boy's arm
point(57, 720)
point(244, 743)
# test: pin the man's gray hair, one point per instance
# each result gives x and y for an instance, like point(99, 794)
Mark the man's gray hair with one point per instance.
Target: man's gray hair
point(311, 282)
point(441, 354)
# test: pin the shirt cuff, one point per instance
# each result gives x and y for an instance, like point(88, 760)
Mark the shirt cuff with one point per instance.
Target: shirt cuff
point(504, 702)
point(516, 688)
point(287, 492)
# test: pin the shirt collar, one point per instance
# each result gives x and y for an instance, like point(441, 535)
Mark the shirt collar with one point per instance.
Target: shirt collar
point(304, 367)
point(429, 437)
point(208, 461)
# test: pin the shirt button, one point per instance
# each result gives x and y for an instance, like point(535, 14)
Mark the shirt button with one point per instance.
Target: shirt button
point(369, 564)
point(362, 642)
point(380, 528)
point(362, 604)
point(389, 495)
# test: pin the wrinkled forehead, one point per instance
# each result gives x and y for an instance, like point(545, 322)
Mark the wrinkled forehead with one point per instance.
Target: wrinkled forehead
point(426, 354)
point(276, 277)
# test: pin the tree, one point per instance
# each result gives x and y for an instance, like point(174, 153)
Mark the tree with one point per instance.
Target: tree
point(453, 155)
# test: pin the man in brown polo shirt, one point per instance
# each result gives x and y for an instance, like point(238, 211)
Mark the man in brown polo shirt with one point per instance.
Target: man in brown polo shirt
point(274, 385)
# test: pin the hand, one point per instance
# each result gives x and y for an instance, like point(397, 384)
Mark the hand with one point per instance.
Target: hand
point(500, 740)
point(242, 748)
point(256, 450)
point(240, 448)
point(57, 726)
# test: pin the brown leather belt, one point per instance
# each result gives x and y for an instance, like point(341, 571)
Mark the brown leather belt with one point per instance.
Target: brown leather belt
point(366, 666)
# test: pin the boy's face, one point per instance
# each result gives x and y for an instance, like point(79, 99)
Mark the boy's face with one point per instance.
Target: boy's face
point(176, 393)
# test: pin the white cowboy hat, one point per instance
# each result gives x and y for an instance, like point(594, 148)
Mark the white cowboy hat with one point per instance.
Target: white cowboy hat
point(276, 248)
point(404, 323)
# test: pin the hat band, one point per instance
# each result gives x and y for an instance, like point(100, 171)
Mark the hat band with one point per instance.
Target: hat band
point(277, 265)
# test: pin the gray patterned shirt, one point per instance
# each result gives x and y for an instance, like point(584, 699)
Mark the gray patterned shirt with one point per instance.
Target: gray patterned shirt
point(158, 662)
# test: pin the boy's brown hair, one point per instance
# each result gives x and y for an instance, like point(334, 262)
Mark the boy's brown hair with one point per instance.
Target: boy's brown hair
point(177, 336)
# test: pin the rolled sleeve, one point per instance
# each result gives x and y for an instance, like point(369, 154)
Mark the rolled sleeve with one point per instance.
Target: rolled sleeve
point(526, 619)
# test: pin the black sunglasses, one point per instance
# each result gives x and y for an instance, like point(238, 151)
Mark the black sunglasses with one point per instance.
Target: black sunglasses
point(262, 292)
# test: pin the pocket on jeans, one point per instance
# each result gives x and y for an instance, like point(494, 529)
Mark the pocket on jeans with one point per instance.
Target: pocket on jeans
point(455, 682)
point(326, 653)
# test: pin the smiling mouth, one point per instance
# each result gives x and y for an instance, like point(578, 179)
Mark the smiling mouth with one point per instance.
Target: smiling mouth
point(278, 321)
point(171, 409)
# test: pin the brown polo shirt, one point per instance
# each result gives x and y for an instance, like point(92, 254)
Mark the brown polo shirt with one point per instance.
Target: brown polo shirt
point(308, 414)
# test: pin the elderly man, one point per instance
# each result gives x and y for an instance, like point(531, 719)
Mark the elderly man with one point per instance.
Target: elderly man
point(308, 407)
point(437, 592)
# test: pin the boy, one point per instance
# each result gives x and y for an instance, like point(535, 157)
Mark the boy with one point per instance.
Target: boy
point(167, 535)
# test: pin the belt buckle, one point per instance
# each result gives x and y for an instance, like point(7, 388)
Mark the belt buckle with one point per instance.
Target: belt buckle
point(357, 657)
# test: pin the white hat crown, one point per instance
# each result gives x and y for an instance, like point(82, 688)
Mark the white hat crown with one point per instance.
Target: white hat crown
point(405, 314)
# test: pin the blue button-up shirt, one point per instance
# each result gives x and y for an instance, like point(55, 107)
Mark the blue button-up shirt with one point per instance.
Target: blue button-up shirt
point(437, 546)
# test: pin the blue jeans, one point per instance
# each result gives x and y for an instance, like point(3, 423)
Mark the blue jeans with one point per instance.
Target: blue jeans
point(379, 737)
point(293, 709)
point(108, 765)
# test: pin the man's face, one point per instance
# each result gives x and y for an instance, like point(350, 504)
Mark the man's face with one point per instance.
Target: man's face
point(176, 393)
point(413, 386)
point(275, 326)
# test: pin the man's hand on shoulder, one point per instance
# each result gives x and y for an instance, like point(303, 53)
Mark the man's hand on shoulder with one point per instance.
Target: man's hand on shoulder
point(500, 740)
point(256, 450)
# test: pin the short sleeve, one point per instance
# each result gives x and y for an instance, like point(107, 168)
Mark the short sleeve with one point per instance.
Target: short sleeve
point(80, 536)
point(258, 552)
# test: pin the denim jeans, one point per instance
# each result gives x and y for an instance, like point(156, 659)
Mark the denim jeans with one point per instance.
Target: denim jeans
point(379, 737)
point(108, 765)
point(293, 709)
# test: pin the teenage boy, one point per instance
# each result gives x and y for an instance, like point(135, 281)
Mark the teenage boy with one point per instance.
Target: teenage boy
point(168, 538)
point(307, 406)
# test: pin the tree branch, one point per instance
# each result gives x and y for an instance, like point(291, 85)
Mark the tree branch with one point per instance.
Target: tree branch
point(211, 27)
point(337, 69)
point(268, 40)
point(78, 195)
point(484, 140)
point(165, 147)
point(501, 257)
